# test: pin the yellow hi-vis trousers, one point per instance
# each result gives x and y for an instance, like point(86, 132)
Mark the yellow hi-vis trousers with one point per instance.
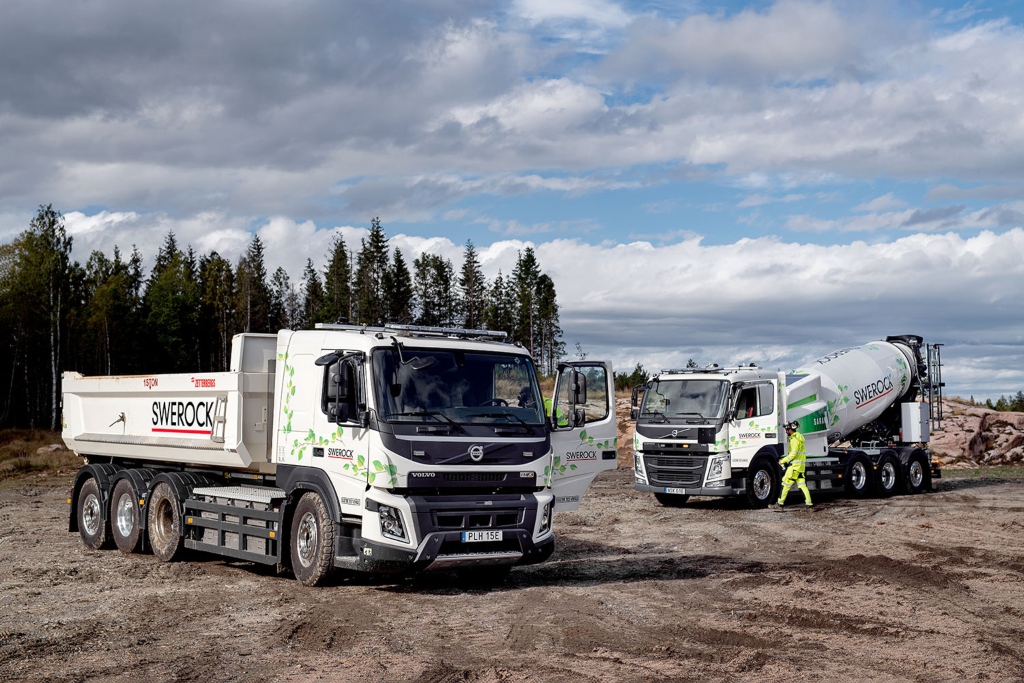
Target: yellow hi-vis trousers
point(794, 476)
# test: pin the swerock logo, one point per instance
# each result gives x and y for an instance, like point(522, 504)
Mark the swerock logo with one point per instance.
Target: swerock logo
point(344, 453)
point(872, 391)
point(581, 455)
point(182, 414)
point(750, 435)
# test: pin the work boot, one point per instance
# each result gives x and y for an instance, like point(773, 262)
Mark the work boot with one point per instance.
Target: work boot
point(775, 507)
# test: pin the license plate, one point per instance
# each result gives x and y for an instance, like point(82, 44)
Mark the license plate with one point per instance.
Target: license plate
point(480, 536)
point(669, 489)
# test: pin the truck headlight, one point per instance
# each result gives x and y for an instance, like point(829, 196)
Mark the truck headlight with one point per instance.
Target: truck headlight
point(391, 523)
point(717, 467)
point(545, 517)
point(638, 462)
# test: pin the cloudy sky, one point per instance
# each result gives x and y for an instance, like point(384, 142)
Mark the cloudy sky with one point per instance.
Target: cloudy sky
point(733, 181)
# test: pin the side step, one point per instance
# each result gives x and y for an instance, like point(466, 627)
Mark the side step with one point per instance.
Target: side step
point(241, 522)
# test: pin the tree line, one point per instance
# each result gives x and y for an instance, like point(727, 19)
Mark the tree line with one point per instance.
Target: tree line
point(109, 317)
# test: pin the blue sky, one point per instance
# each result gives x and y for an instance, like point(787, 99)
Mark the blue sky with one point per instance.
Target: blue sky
point(732, 181)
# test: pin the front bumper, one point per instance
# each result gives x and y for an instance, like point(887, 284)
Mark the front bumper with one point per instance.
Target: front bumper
point(730, 489)
point(442, 550)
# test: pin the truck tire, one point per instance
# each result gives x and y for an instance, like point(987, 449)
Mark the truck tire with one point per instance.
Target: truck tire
point(919, 474)
point(91, 525)
point(312, 540)
point(887, 475)
point(858, 476)
point(671, 500)
point(125, 517)
point(762, 483)
point(164, 527)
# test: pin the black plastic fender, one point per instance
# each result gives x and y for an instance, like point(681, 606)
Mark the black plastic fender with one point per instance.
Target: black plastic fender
point(296, 480)
point(182, 483)
point(104, 474)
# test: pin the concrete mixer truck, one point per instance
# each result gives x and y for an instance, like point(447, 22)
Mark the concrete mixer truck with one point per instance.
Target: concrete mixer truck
point(380, 449)
point(718, 431)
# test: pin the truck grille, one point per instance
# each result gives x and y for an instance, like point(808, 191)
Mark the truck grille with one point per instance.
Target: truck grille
point(474, 476)
point(490, 519)
point(669, 470)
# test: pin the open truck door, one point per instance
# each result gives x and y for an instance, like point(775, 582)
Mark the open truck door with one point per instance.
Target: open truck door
point(584, 431)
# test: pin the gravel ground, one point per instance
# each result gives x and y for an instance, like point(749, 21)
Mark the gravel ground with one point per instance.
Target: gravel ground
point(912, 588)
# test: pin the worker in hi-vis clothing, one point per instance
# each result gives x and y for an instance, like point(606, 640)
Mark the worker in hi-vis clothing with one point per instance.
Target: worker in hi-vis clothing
point(797, 460)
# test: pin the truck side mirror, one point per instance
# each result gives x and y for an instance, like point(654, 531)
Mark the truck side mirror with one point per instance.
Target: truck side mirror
point(578, 387)
point(579, 418)
point(634, 413)
point(337, 392)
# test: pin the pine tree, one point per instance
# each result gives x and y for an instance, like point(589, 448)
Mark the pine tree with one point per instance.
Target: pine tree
point(371, 266)
point(500, 312)
point(338, 283)
point(280, 293)
point(549, 345)
point(252, 291)
point(313, 297)
point(172, 302)
point(398, 291)
point(434, 287)
point(472, 289)
point(525, 277)
point(40, 281)
point(217, 288)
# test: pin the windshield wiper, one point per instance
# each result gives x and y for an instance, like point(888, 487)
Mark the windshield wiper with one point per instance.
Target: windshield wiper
point(511, 416)
point(441, 417)
point(650, 414)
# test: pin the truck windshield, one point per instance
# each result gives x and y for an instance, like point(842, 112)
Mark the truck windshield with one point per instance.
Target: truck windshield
point(461, 387)
point(681, 397)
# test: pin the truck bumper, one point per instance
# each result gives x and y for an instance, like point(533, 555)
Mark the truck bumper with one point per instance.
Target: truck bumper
point(443, 550)
point(727, 490)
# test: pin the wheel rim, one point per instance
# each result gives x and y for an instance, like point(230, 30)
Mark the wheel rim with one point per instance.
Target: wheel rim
point(164, 519)
point(916, 473)
point(888, 476)
point(91, 514)
point(125, 514)
point(858, 475)
point(762, 484)
point(306, 539)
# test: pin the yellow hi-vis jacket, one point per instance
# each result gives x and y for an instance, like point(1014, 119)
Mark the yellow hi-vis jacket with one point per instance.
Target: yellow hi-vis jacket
point(797, 455)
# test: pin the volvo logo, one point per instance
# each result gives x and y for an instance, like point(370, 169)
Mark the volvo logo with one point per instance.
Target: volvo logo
point(476, 453)
point(675, 433)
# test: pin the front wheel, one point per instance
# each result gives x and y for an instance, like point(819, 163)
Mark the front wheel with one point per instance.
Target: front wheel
point(91, 525)
point(762, 483)
point(312, 540)
point(671, 500)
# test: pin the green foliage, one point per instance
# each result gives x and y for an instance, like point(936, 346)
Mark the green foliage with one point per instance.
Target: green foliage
point(1012, 404)
point(638, 377)
point(109, 317)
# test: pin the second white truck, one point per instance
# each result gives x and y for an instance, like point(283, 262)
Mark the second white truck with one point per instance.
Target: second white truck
point(720, 431)
point(391, 448)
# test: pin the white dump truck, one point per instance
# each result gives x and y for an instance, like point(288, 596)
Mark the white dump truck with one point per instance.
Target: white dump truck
point(383, 449)
point(720, 431)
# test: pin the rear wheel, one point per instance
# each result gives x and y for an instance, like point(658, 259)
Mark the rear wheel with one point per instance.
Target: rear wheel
point(312, 540)
point(91, 525)
point(124, 517)
point(762, 483)
point(858, 476)
point(918, 473)
point(164, 525)
point(671, 500)
point(887, 475)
